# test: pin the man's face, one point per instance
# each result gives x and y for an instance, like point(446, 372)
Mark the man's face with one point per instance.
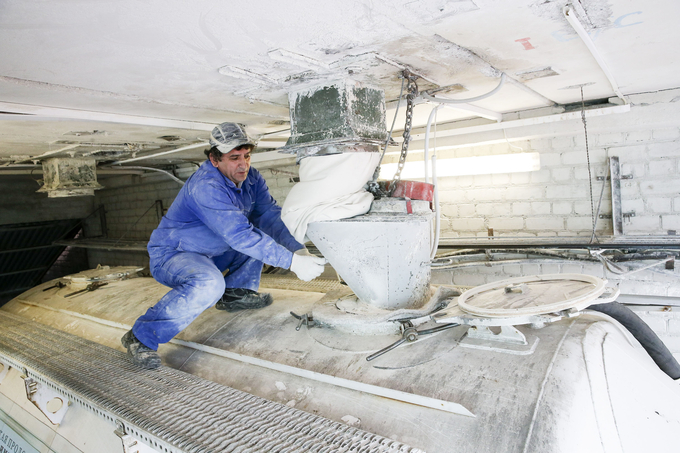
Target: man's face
point(234, 165)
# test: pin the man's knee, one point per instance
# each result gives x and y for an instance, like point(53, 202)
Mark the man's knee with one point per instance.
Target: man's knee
point(209, 287)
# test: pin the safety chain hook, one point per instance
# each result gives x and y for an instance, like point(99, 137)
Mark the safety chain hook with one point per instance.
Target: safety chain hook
point(412, 89)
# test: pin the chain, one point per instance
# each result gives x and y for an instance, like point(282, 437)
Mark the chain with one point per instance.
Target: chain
point(372, 186)
point(412, 89)
point(590, 176)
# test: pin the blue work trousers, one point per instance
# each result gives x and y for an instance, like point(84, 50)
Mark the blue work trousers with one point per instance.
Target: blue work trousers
point(197, 283)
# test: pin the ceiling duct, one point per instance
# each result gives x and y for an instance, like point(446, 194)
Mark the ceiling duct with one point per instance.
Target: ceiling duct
point(336, 118)
point(69, 177)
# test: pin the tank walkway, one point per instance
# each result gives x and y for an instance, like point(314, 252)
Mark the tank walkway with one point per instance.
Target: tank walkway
point(169, 410)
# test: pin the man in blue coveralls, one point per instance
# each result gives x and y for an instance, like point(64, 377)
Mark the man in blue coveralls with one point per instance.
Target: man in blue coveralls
point(223, 219)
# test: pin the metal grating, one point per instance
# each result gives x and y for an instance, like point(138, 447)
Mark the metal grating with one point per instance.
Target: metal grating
point(27, 252)
point(170, 410)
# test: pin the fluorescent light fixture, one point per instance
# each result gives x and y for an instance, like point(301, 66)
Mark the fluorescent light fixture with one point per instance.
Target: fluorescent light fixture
point(483, 165)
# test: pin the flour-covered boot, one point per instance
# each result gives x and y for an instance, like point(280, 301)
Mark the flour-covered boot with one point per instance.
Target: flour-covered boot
point(235, 299)
point(141, 355)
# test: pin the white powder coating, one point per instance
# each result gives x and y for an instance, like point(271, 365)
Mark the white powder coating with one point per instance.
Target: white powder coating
point(591, 13)
point(330, 188)
point(280, 385)
point(58, 56)
point(351, 420)
point(583, 370)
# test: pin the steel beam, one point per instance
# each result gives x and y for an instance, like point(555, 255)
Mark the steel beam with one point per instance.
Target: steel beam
point(617, 213)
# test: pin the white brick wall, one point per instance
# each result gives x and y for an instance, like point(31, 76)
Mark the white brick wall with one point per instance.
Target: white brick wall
point(544, 223)
point(556, 199)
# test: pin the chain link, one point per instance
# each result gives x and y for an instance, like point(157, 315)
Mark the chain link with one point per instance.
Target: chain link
point(412, 89)
point(590, 176)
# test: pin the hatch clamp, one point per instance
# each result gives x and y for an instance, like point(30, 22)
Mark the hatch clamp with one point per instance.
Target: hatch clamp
point(307, 319)
point(409, 334)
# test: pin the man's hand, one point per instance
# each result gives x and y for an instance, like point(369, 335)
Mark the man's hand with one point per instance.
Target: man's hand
point(307, 267)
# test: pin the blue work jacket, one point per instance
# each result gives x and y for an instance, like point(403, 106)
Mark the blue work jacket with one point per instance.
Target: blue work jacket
point(212, 216)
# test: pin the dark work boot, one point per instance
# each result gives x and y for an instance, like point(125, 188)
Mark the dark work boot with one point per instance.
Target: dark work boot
point(141, 355)
point(235, 299)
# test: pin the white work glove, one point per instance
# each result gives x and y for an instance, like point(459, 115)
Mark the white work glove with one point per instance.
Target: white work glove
point(307, 267)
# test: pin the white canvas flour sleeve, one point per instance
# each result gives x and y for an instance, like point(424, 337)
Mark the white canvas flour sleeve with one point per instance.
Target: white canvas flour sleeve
point(331, 187)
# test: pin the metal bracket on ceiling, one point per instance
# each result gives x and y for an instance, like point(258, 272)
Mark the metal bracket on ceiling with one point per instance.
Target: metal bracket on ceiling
point(50, 402)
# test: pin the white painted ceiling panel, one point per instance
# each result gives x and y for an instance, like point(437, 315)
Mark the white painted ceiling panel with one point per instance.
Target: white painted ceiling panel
point(210, 61)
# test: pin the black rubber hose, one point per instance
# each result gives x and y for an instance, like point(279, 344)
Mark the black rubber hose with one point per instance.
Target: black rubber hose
point(649, 340)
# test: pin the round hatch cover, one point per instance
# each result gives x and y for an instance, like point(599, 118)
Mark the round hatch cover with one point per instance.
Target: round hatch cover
point(532, 295)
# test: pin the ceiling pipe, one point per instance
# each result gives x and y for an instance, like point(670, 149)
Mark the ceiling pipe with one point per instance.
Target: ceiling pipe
point(49, 153)
point(458, 104)
point(426, 150)
point(450, 129)
point(428, 97)
point(531, 91)
point(37, 169)
point(125, 170)
point(172, 151)
point(39, 112)
point(583, 34)
point(477, 111)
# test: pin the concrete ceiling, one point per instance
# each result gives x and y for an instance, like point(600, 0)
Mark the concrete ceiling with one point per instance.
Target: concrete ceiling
point(112, 79)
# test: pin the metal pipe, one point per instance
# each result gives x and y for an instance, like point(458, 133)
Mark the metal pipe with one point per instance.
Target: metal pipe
point(583, 34)
point(612, 242)
point(450, 130)
point(176, 150)
point(49, 153)
point(40, 112)
point(154, 169)
point(37, 170)
point(465, 101)
point(427, 140)
point(479, 111)
point(530, 91)
point(437, 225)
